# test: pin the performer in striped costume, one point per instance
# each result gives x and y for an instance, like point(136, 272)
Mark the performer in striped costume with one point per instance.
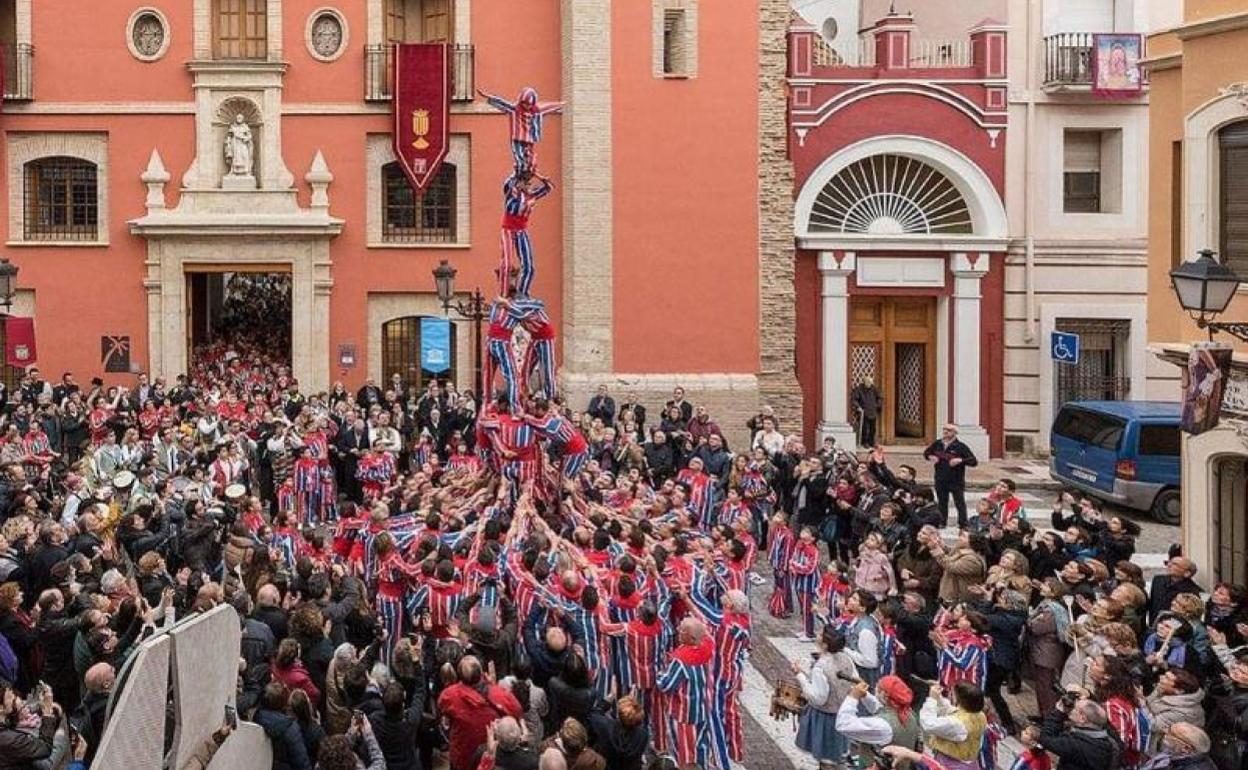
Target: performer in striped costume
point(686, 681)
point(780, 545)
point(515, 441)
point(526, 115)
point(701, 494)
point(501, 357)
point(376, 471)
point(394, 577)
point(437, 600)
point(962, 652)
point(569, 444)
point(804, 567)
point(519, 197)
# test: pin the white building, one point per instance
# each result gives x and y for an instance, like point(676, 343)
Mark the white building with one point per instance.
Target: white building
point(1077, 199)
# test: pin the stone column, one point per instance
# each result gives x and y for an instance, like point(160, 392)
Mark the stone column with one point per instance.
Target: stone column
point(587, 189)
point(968, 272)
point(834, 355)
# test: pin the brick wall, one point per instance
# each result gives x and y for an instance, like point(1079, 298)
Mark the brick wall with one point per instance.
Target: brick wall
point(777, 379)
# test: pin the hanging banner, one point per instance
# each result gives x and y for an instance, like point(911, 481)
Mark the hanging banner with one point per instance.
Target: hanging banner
point(422, 108)
point(1116, 65)
point(435, 345)
point(19, 341)
point(1204, 381)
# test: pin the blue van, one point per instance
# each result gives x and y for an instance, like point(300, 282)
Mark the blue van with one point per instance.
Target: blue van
point(1126, 452)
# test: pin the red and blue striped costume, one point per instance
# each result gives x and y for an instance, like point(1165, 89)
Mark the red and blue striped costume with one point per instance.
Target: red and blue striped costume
point(288, 543)
point(376, 472)
point(440, 600)
point(732, 643)
point(394, 578)
point(780, 542)
point(525, 115)
point(590, 628)
point(686, 683)
point(518, 202)
point(646, 644)
point(804, 567)
point(502, 355)
point(1134, 729)
point(891, 648)
point(308, 490)
point(700, 497)
point(729, 512)
point(421, 453)
point(964, 658)
point(571, 444)
point(466, 461)
point(518, 437)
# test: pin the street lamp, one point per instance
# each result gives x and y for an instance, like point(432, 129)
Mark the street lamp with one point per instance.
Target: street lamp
point(473, 308)
point(8, 283)
point(1205, 287)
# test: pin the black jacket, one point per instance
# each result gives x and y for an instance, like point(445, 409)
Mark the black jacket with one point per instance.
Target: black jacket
point(661, 459)
point(944, 474)
point(623, 748)
point(20, 749)
point(602, 407)
point(1163, 589)
point(289, 750)
point(1078, 748)
point(397, 733)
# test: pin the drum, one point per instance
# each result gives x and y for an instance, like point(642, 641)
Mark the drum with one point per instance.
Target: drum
point(787, 701)
point(235, 492)
point(123, 480)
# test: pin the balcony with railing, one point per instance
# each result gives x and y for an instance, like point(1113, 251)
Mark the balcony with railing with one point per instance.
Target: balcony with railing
point(923, 54)
point(379, 73)
point(19, 72)
point(1068, 60)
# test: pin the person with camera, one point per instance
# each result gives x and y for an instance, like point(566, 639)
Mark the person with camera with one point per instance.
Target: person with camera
point(880, 721)
point(954, 732)
point(1077, 733)
point(825, 688)
point(27, 728)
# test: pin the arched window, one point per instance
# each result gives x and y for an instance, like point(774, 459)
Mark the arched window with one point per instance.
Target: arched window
point(408, 217)
point(240, 29)
point(60, 195)
point(400, 353)
point(890, 195)
point(1233, 198)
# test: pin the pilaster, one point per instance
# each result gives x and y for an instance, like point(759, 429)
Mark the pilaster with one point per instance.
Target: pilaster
point(835, 269)
point(968, 271)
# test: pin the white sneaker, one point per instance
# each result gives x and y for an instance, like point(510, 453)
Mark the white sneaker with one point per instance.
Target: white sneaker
point(802, 637)
point(757, 579)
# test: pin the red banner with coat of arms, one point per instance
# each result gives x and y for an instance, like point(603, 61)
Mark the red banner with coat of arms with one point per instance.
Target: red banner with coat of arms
point(19, 341)
point(422, 108)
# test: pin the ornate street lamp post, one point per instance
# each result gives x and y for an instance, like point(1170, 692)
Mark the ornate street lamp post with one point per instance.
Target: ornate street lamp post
point(8, 283)
point(472, 308)
point(1205, 287)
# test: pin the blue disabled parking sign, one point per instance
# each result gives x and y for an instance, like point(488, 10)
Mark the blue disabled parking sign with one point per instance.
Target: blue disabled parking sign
point(1064, 347)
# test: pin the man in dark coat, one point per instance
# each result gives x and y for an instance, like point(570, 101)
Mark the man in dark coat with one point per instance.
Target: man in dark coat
point(950, 459)
point(1080, 739)
point(868, 403)
point(602, 406)
point(1177, 579)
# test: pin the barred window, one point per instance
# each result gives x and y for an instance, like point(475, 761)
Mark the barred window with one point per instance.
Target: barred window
point(61, 197)
point(240, 29)
point(400, 353)
point(427, 217)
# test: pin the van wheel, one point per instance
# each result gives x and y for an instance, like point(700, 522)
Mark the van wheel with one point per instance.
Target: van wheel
point(1168, 507)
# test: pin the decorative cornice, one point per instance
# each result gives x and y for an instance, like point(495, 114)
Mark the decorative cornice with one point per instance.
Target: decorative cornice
point(1212, 26)
point(1238, 92)
point(1167, 61)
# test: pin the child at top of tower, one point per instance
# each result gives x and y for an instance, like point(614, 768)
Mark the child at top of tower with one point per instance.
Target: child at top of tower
point(526, 115)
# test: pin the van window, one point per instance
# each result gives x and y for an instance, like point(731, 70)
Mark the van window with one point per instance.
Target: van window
point(1087, 427)
point(1159, 440)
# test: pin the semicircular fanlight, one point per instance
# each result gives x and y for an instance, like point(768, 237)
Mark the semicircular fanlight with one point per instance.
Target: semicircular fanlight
point(890, 195)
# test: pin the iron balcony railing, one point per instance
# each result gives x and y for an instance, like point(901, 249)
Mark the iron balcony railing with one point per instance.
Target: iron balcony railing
point(19, 72)
point(379, 73)
point(1068, 59)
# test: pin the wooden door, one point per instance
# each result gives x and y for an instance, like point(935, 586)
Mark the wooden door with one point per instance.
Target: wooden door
point(893, 341)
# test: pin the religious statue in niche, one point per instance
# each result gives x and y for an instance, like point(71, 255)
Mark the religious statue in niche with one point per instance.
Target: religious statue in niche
point(238, 147)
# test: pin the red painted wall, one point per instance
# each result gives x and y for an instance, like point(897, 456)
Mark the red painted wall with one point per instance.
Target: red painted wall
point(685, 202)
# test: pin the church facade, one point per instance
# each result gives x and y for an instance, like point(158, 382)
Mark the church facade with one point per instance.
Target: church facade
point(156, 150)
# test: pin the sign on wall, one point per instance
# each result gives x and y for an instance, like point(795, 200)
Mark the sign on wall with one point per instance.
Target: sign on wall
point(435, 344)
point(346, 356)
point(1204, 382)
point(115, 352)
point(1116, 65)
point(1064, 347)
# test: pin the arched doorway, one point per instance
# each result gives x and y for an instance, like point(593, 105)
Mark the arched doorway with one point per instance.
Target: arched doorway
point(1230, 518)
point(400, 353)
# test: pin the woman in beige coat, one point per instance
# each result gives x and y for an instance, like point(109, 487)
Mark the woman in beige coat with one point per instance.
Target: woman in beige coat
point(963, 567)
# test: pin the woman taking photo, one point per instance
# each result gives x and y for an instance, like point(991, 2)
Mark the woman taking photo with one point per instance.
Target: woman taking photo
point(824, 687)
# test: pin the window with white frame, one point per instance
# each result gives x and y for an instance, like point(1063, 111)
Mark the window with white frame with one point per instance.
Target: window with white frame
point(59, 190)
point(1092, 171)
point(675, 38)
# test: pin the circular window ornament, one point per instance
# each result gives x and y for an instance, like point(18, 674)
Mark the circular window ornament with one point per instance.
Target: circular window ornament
point(326, 34)
point(147, 34)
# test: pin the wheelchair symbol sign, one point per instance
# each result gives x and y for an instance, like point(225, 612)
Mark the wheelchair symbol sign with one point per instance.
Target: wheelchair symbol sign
point(1064, 347)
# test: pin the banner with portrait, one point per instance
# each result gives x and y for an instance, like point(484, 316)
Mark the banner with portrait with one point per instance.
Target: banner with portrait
point(1116, 69)
point(422, 109)
point(1204, 381)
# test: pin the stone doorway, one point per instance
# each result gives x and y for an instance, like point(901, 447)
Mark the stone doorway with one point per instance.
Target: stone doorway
point(246, 312)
